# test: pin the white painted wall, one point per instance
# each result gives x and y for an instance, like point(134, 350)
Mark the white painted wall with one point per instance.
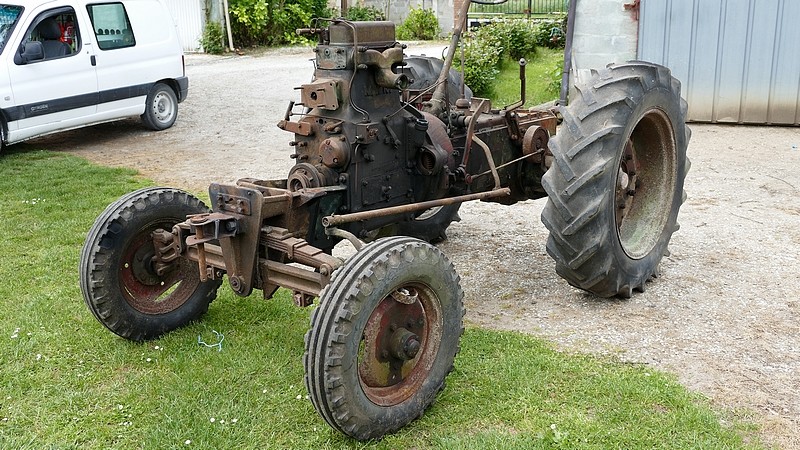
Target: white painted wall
point(189, 16)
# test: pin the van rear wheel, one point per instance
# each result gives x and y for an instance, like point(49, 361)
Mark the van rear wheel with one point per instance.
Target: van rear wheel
point(161, 107)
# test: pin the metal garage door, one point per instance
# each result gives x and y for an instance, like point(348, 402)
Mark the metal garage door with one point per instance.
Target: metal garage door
point(739, 60)
point(188, 15)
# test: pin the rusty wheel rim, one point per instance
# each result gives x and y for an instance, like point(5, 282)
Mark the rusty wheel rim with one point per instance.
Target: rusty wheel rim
point(399, 344)
point(645, 184)
point(143, 288)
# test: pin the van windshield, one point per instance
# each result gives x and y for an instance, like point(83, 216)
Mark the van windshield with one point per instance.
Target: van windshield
point(9, 14)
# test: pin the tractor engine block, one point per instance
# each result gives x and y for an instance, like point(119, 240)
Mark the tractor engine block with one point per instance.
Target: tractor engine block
point(356, 133)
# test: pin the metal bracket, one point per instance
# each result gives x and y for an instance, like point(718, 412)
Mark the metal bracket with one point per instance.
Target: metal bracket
point(239, 246)
point(634, 7)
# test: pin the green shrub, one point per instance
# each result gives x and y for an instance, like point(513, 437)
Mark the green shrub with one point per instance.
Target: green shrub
point(212, 39)
point(482, 51)
point(550, 33)
point(487, 46)
point(364, 13)
point(517, 37)
point(556, 73)
point(420, 24)
point(272, 22)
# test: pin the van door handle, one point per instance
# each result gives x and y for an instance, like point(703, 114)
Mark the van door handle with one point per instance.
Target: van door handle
point(93, 59)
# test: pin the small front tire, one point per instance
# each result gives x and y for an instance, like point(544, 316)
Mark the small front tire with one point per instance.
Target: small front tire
point(117, 278)
point(384, 337)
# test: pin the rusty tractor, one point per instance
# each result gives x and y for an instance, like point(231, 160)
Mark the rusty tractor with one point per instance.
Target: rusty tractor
point(387, 148)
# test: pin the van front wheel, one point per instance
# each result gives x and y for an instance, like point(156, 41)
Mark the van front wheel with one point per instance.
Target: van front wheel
point(161, 108)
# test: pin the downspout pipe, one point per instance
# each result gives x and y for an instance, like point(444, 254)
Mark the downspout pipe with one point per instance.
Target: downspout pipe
point(568, 52)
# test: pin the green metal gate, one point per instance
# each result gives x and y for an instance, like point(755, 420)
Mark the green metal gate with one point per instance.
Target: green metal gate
point(530, 9)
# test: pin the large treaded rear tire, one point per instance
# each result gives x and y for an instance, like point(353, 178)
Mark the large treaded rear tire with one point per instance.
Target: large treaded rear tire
point(425, 70)
point(616, 185)
point(396, 291)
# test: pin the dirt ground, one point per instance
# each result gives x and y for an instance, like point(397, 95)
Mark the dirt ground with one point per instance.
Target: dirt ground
point(724, 317)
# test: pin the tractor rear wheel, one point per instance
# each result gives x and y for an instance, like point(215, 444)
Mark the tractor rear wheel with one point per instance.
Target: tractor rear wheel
point(616, 185)
point(384, 337)
point(431, 225)
point(120, 284)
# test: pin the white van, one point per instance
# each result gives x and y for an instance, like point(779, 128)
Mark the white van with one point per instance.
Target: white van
point(71, 63)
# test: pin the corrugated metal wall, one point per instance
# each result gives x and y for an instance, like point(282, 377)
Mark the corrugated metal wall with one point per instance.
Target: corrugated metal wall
point(739, 60)
point(189, 16)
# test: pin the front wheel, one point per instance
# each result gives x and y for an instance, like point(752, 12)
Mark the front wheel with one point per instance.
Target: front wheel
point(616, 185)
point(119, 282)
point(160, 108)
point(384, 337)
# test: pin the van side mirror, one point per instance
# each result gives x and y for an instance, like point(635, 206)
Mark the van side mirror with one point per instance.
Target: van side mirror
point(29, 52)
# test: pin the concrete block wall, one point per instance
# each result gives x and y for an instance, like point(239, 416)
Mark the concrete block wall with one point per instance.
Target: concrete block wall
point(397, 10)
point(605, 32)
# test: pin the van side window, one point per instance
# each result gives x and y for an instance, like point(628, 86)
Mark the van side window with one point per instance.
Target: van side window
point(111, 25)
point(9, 16)
point(57, 31)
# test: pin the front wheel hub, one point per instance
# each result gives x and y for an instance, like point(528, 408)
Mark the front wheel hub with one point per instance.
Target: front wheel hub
point(404, 345)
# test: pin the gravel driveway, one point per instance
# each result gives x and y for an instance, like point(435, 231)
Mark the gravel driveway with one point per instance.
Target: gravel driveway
point(724, 317)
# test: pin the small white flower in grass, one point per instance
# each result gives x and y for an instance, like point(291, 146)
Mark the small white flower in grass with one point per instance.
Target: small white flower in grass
point(212, 420)
point(5, 419)
point(38, 356)
point(149, 359)
point(553, 426)
point(120, 406)
point(299, 397)
point(155, 348)
point(264, 391)
point(234, 420)
point(187, 442)
point(222, 421)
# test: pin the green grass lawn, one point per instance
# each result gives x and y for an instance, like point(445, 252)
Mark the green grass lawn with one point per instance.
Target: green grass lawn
point(66, 382)
point(540, 71)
